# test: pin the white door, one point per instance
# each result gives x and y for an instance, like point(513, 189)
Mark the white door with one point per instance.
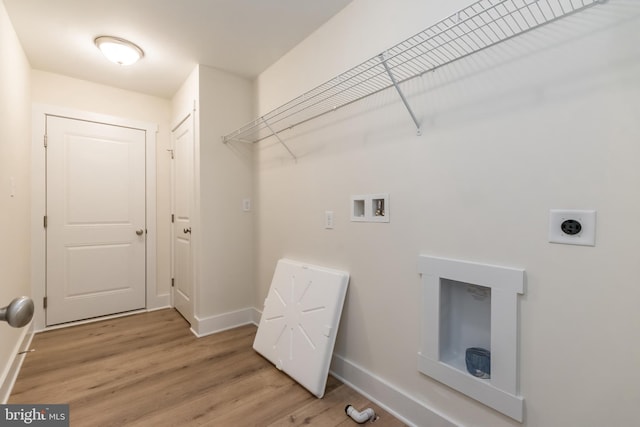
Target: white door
point(183, 141)
point(95, 219)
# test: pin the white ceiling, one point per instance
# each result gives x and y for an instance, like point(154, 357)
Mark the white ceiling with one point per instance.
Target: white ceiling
point(240, 36)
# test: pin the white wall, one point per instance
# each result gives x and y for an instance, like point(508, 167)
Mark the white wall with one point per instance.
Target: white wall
point(226, 178)
point(548, 120)
point(222, 241)
point(182, 102)
point(15, 116)
point(62, 91)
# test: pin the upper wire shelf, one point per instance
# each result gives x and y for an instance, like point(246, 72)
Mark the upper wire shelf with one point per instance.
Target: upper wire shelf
point(479, 26)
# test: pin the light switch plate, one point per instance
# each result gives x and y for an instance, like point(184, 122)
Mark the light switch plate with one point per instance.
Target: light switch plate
point(572, 227)
point(328, 220)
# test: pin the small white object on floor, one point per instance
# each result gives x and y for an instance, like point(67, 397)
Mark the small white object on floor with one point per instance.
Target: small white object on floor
point(360, 416)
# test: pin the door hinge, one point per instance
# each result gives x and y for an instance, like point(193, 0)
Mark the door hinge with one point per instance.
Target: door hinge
point(173, 218)
point(45, 141)
point(173, 282)
point(45, 221)
point(44, 303)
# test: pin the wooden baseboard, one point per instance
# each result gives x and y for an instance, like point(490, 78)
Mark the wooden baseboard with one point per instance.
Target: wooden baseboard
point(10, 375)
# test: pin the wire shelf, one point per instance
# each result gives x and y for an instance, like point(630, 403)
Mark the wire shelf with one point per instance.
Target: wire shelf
point(479, 26)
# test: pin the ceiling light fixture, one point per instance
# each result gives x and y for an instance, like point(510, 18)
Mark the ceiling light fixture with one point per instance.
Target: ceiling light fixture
point(118, 50)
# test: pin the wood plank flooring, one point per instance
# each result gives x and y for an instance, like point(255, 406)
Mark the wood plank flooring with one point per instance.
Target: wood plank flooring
point(149, 370)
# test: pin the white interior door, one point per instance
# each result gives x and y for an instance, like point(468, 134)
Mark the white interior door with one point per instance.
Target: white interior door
point(95, 219)
point(183, 146)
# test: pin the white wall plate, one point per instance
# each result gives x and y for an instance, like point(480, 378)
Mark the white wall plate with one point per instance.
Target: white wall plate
point(299, 323)
point(572, 227)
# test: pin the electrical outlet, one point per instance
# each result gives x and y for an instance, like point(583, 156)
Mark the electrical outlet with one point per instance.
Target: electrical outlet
point(572, 227)
point(246, 205)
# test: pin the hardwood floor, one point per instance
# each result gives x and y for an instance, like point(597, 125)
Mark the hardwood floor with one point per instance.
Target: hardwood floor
point(149, 370)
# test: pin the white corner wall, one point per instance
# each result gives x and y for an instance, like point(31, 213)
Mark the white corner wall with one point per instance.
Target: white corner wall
point(67, 92)
point(222, 241)
point(547, 120)
point(226, 178)
point(15, 147)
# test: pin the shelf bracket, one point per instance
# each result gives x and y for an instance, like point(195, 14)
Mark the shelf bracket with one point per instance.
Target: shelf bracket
point(402, 97)
point(278, 138)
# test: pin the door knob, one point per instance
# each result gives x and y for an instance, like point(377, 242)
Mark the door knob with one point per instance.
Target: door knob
point(139, 232)
point(18, 313)
point(186, 230)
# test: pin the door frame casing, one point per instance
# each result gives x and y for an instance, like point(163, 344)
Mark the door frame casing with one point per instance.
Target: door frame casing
point(38, 202)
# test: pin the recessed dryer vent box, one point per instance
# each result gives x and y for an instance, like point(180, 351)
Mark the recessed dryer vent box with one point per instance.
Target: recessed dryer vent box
point(370, 208)
point(467, 305)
